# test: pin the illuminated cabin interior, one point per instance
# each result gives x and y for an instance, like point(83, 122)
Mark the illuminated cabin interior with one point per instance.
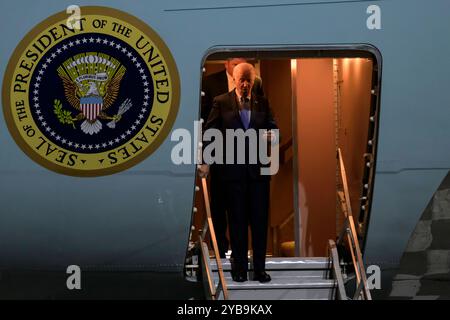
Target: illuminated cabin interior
point(320, 105)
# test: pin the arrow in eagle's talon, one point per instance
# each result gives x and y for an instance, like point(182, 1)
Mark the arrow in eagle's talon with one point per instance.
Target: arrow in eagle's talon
point(124, 107)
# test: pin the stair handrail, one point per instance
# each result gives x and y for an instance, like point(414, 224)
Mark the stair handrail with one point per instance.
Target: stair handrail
point(221, 285)
point(277, 228)
point(362, 291)
point(284, 149)
point(336, 269)
point(276, 231)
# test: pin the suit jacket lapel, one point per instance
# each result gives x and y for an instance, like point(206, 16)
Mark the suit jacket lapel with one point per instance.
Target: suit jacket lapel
point(254, 104)
point(234, 103)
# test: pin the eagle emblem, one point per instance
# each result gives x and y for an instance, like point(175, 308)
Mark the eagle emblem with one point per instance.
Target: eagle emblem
point(91, 86)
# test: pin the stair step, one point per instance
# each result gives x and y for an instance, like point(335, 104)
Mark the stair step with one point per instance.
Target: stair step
point(307, 273)
point(281, 294)
point(281, 288)
point(279, 283)
point(316, 263)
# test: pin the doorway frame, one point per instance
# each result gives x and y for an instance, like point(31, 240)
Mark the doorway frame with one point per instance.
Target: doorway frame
point(357, 50)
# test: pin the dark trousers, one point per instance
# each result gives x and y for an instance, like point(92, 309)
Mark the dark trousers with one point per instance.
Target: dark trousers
point(248, 204)
point(218, 211)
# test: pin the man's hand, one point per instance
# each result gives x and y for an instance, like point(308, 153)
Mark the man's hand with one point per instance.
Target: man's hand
point(203, 170)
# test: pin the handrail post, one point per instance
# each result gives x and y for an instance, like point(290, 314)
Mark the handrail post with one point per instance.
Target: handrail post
point(352, 235)
point(213, 239)
point(333, 254)
point(206, 263)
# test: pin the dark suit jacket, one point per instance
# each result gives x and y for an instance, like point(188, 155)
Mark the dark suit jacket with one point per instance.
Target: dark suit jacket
point(225, 115)
point(217, 84)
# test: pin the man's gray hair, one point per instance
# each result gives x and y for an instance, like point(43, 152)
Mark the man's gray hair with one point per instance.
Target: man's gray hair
point(244, 67)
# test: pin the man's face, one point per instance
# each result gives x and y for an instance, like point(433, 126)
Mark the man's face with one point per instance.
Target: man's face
point(244, 82)
point(230, 64)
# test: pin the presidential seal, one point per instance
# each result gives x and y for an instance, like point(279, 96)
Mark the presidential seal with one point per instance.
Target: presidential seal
point(92, 100)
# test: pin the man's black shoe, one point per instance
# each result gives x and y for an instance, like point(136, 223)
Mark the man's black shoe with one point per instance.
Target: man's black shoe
point(239, 276)
point(261, 277)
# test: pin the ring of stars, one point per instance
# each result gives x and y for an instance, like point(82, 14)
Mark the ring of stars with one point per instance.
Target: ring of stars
point(107, 144)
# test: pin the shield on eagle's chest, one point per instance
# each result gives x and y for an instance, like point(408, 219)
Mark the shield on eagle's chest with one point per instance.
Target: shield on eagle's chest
point(91, 106)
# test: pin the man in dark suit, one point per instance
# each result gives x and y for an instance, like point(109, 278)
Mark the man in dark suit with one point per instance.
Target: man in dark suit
point(246, 190)
point(213, 85)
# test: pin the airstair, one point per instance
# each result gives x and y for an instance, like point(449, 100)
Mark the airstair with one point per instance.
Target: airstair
point(341, 275)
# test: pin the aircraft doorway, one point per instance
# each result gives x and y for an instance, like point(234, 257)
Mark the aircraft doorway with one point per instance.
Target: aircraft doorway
point(323, 101)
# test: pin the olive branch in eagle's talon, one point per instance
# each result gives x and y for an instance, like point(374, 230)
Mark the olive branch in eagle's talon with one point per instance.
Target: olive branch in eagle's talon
point(64, 116)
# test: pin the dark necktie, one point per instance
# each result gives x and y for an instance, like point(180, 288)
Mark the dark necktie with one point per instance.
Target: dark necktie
point(245, 116)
